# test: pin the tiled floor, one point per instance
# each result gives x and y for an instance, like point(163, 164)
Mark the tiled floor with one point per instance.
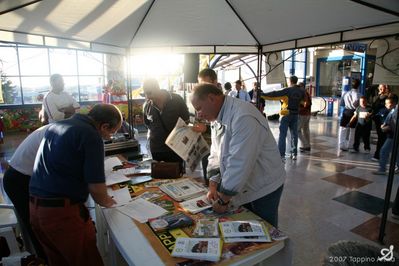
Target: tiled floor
point(328, 195)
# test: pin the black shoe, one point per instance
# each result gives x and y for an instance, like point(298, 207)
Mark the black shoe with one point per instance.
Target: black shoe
point(304, 149)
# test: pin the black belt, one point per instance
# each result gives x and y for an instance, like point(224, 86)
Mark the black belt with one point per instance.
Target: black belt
point(51, 202)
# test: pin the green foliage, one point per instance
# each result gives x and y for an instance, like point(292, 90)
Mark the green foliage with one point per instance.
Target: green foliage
point(8, 90)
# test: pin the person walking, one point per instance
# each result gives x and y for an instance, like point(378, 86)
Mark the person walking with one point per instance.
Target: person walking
point(304, 120)
point(378, 115)
point(350, 101)
point(293, 95)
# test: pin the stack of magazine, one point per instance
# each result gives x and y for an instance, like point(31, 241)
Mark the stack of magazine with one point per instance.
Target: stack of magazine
point(183, 189)
point(209, 249)
point(244, 231)
point(206, 228)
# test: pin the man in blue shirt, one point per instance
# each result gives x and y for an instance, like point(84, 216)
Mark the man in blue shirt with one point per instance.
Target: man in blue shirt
point(69, 166)
point(293, 95)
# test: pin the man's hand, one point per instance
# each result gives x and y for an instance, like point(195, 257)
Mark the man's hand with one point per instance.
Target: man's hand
point(212, 193)
point(100, 195)
point(199, 127)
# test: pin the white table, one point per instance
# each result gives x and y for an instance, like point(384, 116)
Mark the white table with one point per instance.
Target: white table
point(117, 232)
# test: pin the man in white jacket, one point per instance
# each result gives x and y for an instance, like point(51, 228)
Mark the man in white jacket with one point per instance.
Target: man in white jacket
point(57, 104)
point(244, 165)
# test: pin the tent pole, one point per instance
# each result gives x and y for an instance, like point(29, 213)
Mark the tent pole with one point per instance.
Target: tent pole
point(390, 180)
point(259, 76)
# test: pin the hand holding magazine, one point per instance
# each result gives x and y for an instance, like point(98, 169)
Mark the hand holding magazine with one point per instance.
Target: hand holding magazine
point(187, 143)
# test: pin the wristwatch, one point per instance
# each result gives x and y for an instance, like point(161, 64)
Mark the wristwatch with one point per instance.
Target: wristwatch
point(223, 203)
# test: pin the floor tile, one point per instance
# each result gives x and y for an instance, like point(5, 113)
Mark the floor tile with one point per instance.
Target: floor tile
point(334, 167)
point(362, 201)
point(370, 230)
point(347, 180)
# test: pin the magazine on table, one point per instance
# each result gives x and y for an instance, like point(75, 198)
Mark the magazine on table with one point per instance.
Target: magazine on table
point(206, 228)
point(171, 221)
point(196, 205)
point(242, 228)
point(248, 239)
point(209, 249)
point(183, 189)
point(187, 143)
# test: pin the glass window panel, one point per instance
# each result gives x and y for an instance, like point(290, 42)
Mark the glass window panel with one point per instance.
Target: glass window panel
point(9, 61)
point(10, 90)
point(63, 61)
point(90, 63)
point(34, 89)
point(33, 61)
point(71, 87)
point(91, 88)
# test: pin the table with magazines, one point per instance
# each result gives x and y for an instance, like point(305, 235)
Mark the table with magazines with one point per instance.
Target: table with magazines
point(148, 243)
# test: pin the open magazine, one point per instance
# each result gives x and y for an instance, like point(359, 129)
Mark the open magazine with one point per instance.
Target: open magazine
point(188, 144)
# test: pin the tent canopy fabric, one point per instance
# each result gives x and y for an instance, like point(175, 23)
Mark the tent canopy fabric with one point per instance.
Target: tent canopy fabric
point(195, 25)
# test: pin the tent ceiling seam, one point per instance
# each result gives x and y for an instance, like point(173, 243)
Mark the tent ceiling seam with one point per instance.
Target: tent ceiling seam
point(379, 8)
point(243, 22)
point(19, 7)
point(141, 23)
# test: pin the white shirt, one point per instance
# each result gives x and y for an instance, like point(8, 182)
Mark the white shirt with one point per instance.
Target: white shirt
point(24, 156)
point(243, 95)
point(54, 102)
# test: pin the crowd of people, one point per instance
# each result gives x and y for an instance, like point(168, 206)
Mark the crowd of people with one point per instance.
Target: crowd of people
point(58, 166)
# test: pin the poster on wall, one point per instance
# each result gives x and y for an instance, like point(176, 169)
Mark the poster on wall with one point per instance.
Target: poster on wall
point(274, 68)
point(387, 58)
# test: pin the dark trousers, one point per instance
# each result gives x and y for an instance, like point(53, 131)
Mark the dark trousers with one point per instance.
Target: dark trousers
point(267, 206)
point(362, 132)
point(204, 163)
point(16, 186)
point(66, 233)
point(381, 137)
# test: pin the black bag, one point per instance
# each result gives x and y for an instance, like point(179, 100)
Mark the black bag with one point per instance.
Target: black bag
point(166, 170)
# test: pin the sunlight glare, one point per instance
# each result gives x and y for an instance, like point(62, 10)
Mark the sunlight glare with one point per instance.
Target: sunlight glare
point(157, 65)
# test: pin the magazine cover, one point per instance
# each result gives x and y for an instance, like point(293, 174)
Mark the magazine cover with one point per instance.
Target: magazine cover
point(242, 228)
point(196, 205)
point(171, 221)
point(206, 228)
point(198, 248)
point(183, 189)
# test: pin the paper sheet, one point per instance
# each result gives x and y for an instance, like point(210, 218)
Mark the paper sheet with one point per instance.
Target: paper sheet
point(141, 210)
point(121, 196)
point(115, 178)
point(110, 162)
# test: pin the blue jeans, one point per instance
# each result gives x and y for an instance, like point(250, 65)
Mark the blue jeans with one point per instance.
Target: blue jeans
point(267, 206)
point(384, 154)
point(288, 121)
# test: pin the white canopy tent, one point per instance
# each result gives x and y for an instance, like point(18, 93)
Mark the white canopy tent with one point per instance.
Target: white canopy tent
point(200, 26)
